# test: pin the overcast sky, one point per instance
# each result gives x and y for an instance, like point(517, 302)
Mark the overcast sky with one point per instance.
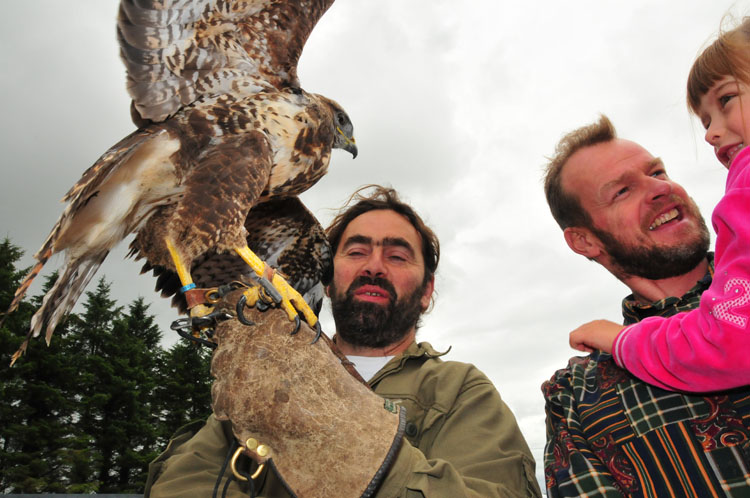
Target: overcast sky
point(455, 106)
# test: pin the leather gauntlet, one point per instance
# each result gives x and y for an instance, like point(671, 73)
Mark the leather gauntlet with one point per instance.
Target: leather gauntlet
point(293, 406)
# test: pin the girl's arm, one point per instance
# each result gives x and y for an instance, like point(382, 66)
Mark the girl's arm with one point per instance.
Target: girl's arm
point(597, 334)
point(708, 348)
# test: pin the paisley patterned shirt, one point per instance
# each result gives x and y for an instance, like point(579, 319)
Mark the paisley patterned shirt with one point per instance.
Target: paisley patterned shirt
point(610, 434)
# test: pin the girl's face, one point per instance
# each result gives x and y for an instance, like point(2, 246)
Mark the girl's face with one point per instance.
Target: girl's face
point(725, 113)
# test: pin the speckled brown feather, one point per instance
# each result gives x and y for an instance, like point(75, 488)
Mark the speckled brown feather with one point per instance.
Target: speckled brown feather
point(178, 51)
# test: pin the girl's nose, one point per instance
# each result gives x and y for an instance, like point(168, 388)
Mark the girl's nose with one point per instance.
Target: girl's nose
point(714, 132)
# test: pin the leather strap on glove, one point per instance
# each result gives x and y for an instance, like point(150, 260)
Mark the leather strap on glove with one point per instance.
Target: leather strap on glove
point(293, 406)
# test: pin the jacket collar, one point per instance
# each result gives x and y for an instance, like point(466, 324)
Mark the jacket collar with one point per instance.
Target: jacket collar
point(634, 312)
point(414, 352)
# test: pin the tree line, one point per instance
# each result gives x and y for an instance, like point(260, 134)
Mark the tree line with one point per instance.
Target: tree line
point(88, 413)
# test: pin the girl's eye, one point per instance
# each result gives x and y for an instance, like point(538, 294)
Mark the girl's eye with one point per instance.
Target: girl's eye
point(724, 99)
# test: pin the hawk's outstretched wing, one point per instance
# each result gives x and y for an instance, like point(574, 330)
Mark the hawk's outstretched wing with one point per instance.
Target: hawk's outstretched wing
point(177, 51)
point(224, 125)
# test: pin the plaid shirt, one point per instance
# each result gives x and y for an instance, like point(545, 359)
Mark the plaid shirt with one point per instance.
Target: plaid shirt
point(609, 434)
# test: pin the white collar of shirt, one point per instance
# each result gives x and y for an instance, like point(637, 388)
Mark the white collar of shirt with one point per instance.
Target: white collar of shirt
point(368, 366)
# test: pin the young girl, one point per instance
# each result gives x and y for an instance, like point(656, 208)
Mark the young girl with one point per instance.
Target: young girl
point(706, 349)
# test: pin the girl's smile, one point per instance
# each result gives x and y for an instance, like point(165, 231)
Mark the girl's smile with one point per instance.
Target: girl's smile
point(722, 112)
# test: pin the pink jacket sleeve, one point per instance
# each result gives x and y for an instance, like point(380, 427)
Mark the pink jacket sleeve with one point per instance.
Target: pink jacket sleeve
point(708, 348)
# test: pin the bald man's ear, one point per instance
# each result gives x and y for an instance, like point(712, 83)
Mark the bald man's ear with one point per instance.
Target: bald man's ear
point(582, 241)
point(327, 290)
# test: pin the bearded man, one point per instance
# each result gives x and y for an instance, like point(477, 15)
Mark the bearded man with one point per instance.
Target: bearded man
point(608, 433)
point(460, 439)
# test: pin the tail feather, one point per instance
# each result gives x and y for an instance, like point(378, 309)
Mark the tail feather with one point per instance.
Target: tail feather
point(61, 298)
point(77, 273)
point(42, 257)
point(77, 197)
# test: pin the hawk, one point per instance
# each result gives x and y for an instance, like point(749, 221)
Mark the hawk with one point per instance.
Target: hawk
point(223, 126)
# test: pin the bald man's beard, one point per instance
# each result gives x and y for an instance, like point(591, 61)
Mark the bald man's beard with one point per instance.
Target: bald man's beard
point(373, 325)
point(658, 262)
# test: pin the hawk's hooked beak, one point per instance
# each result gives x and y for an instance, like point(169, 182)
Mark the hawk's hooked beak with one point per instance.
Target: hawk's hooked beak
point(349, 145)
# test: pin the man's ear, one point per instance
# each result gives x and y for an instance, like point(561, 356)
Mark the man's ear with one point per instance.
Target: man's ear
point(327, 290)
point(427, 295)
point(582, 241)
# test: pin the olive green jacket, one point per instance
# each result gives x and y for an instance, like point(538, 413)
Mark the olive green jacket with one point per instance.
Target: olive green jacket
point(461, 440)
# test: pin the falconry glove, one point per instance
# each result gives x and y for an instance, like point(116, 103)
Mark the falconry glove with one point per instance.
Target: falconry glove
point(294, 407)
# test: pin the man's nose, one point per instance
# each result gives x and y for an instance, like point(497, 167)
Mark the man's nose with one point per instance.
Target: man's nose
point(658, 188)
point(374, 266)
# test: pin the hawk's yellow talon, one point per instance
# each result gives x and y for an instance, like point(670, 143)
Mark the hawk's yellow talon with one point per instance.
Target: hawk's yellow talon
point(253, 295)
point(200, 310)
point(291, 301)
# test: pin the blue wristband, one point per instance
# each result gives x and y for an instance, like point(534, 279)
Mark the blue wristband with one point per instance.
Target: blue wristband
point(187, 288)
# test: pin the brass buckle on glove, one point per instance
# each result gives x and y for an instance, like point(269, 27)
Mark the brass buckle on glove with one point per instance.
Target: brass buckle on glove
point(252, 445)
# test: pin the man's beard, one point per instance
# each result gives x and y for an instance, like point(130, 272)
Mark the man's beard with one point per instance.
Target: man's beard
point(658, 262)
point(374, 325)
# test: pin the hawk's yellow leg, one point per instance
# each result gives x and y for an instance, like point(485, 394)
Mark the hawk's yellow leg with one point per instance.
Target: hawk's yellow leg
point(185, 278)
point(291, 300)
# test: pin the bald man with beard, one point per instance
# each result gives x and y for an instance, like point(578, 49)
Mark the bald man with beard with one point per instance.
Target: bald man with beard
point(608, 433)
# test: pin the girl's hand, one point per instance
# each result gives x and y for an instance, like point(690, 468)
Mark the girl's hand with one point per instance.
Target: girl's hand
point(597, 334)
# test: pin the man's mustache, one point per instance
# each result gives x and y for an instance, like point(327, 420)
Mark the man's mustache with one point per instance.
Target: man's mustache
point(376, 281)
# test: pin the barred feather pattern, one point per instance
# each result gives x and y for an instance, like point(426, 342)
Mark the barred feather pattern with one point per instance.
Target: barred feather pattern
point(176, 52)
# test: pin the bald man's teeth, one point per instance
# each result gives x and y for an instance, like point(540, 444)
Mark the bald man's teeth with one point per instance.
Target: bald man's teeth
point(668, 216)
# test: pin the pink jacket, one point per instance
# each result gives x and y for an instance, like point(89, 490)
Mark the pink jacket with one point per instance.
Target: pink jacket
point(708, 348)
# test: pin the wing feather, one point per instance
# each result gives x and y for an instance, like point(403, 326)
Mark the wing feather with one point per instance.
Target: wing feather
point(175, 52)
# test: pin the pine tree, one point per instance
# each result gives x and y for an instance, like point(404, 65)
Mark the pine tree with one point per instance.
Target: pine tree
point(119, 356)
point(97, 383)
point(35, 411)
point(137, 355)
point(90, 412)
point(184, 394)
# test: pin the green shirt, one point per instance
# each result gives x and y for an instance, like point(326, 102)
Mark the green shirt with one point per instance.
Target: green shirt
point(461, 440)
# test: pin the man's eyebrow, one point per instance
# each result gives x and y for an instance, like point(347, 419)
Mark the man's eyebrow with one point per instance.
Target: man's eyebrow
point(655, 162)
point(356, 239)
point(398, 242)
point(613, 183)
point(386, 242)
point(620, 179)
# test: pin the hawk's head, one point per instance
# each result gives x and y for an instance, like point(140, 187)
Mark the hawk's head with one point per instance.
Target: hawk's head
point(344, 130)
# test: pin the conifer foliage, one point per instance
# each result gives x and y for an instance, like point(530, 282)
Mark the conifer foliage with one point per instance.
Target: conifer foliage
point(88, 413)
